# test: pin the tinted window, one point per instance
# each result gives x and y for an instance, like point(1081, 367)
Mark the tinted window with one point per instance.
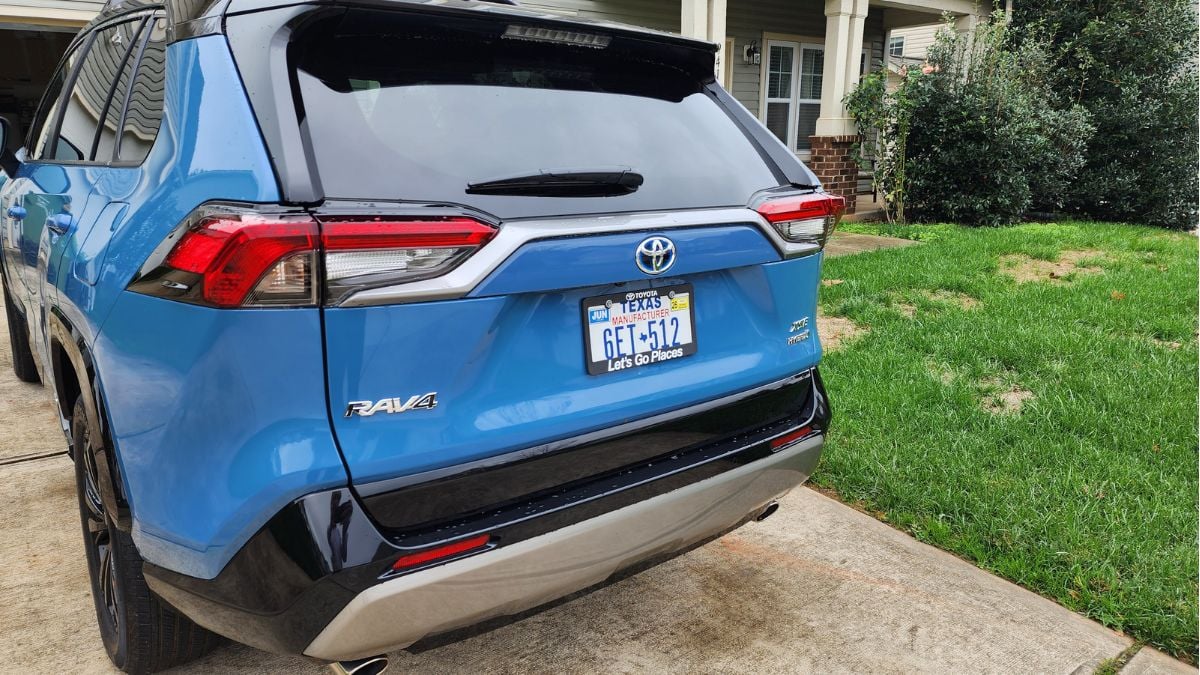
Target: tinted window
point(419, 112)
point(117, 55)
point(86, 101)
point(143, 114)
point(43, 125)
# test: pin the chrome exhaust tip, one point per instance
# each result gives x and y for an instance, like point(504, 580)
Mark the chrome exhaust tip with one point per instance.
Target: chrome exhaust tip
point(767, 512)
point(373, 665)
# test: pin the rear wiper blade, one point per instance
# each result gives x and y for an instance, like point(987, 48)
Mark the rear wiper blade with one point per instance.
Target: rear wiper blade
point(594, 182)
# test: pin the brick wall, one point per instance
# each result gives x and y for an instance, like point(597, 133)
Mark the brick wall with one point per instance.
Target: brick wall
point(833, 162)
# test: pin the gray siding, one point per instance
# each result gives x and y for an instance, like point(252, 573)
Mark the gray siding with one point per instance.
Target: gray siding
point(747, 20)
point(917, 39)
point(656, 14)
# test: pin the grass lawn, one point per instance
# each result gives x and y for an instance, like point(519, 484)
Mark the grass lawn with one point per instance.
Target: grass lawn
point(1044, 429)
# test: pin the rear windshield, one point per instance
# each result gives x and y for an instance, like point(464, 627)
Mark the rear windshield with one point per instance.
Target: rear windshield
point(399, 110)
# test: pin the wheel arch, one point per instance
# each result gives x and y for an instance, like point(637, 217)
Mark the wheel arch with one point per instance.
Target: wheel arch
point(75, 377)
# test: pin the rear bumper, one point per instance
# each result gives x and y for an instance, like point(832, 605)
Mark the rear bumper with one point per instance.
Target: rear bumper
point(318, 579)
point(397, 613)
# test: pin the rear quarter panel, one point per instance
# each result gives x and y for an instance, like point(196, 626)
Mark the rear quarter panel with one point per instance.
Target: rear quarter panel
point(218, 417)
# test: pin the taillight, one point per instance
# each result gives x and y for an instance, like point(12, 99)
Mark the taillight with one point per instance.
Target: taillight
point(226, 256)
point(804, 219)
point(242, 259)
point(371, 252)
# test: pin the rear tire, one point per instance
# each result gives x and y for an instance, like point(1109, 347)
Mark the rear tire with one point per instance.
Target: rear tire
point(141, 633)
point(18, 338)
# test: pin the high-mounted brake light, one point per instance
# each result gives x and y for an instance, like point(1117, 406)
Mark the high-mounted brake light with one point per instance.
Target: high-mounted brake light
point(227, 256)
point(569, 37)
point(804, 219)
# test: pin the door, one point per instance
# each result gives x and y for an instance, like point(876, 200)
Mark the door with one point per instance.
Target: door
point(55, 200)
point(782, 63)
point(39, 197)
point(792, 80)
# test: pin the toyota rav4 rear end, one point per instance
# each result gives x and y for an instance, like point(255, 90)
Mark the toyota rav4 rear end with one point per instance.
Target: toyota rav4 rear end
point(567, 296)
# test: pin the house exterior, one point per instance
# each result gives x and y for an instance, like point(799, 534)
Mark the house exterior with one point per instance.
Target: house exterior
point(908, 47)
point(42, 14)
point(33, 36)
point(790, 62)
point(911, 42)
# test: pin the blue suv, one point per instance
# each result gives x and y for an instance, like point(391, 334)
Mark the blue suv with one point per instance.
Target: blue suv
point(373, 322)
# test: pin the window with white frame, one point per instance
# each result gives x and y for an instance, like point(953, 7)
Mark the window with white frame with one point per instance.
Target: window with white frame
point(792, 78)
point(896, 45)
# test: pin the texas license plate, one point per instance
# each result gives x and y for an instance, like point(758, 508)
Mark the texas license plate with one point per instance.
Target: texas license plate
point(639, 328)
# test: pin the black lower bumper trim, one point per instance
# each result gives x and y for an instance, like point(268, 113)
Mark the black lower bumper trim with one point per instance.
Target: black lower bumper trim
point(310, 560)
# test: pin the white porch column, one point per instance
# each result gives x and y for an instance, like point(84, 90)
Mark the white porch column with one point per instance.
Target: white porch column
point(693, 19)
point(705, 20)
point(716, 33)
point(844, 20)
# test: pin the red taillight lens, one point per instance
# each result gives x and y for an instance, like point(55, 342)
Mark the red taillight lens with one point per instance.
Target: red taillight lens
point(341, 235)
point(363, 253)
point(803, 219)
point(449, 550)
point(234, 253)
point(234, 256)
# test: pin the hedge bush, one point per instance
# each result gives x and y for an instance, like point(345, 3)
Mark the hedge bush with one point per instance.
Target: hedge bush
point(977, 135)
point(1133, 65)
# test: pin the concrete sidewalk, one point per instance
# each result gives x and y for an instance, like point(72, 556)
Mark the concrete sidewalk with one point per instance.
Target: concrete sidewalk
point(849, 243)
point(819, 587)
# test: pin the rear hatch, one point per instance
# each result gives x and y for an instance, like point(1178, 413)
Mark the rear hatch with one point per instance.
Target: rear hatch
point(568, 242)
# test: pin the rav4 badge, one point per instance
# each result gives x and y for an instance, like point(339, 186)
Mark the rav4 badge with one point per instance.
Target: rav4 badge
point(392, 405)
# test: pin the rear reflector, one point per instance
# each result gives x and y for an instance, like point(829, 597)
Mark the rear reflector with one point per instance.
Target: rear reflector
point(809, 218)
point(790, 437)
point(449, 550)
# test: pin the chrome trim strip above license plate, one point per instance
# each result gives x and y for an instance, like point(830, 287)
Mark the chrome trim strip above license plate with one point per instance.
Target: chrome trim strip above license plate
point(514, 234)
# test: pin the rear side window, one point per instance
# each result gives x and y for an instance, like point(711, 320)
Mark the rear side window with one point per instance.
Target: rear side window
point(103, 78)
point(112, 107)
point(43, 131)
point(144, 99)
point(89, 93)
point(400, 110)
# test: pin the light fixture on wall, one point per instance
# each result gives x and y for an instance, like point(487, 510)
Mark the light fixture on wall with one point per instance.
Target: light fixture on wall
point(751, 55)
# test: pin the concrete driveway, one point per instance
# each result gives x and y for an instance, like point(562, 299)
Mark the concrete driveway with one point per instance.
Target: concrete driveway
point(819, 587)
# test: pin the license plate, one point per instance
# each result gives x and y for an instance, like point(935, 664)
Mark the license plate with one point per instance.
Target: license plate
point(639, 328)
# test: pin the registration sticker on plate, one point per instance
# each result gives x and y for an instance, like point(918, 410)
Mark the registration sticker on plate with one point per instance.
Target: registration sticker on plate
point(639, 328)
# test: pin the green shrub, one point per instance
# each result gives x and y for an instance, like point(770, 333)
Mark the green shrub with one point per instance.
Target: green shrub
point(977, 135)
point(1132, 65)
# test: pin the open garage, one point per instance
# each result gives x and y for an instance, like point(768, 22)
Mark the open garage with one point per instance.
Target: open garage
point(33, 36)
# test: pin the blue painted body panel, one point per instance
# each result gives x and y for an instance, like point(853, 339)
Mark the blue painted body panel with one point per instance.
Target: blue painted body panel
point(509, 370)
point(221, 417)
point(218, 418)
